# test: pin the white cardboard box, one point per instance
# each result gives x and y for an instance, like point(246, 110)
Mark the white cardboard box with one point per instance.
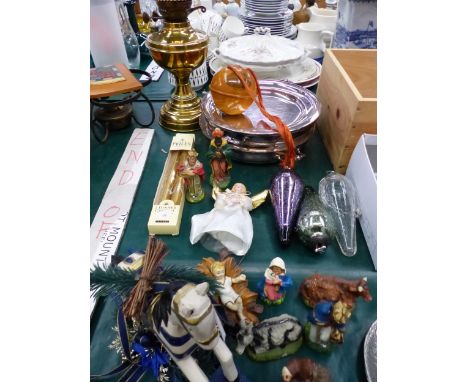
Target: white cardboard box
point(362, 171)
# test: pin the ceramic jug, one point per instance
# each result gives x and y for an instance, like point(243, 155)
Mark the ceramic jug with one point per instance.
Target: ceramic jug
point(314, 35)
point(326, 17)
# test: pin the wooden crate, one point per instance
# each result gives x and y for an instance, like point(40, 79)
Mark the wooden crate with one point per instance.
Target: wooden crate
point(348, 93)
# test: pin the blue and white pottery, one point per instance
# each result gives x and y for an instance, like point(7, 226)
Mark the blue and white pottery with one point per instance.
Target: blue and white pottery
point(356, 25)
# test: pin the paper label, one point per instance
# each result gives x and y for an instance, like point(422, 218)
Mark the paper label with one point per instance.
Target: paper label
point(155, 70)
point(165, 213)
point(182, 142)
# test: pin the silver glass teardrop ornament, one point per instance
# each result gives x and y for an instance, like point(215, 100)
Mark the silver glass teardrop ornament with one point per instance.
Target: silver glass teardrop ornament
point(315, 226)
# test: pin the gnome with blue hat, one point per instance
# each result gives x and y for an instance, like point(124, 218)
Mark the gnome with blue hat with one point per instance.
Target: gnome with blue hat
point(326, 323)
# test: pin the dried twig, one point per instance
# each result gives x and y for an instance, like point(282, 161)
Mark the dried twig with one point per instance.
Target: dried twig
point(156, 250)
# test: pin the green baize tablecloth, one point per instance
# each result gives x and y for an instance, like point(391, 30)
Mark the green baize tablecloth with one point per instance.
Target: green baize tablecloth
point(346, 363)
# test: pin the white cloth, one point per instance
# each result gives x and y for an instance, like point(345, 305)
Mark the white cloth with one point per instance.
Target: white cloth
point(226, 292)
point(229, 223)
point(270, 275)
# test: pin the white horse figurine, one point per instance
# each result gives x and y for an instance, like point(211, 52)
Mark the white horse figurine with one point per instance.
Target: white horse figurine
point(185, 320)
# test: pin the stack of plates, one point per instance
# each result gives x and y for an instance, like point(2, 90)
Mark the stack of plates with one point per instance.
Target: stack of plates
point(306, 72)
point(270, 57)
point(272, 14)
point(265, 6)
point(292, 33)
point(253, 138)
point(279, 24)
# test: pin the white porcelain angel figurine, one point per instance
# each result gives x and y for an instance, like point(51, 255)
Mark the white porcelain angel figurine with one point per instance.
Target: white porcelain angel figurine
point(228, 224)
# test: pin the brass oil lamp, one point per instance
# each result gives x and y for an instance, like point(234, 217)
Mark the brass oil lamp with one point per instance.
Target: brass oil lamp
point(180, 49)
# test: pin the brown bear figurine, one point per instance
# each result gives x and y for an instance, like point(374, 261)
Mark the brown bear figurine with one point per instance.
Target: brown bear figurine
point(304, 370)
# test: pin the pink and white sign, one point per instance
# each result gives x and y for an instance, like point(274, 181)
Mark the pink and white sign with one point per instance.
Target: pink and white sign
point(110, 220)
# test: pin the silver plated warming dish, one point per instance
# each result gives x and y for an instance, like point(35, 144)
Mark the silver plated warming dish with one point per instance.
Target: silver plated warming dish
point(253, 137)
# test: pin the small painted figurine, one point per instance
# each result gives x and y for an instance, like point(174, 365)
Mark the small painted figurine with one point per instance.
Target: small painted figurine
point(228, 296)
point(228, 224)
point(219, 154)
point(326, 324)
point(273, 286)
point(332, 300)
point(304, 370)
point(317, 288)
point(270, 339)
point(179, 313)
point(193, 173)
point(233, 288)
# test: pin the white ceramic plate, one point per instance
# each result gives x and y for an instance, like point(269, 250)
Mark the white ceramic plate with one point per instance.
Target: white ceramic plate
point(265, 10)
point(252, 6)
point(267, 14)
point(267, 23)
point(305, 73)
point(282, 29)
point(264, 49)
point(253, 15)
point(292, 33)
point(264, 4)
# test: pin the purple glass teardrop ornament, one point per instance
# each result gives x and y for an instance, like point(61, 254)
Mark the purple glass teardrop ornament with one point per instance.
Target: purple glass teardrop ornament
point(286, 193)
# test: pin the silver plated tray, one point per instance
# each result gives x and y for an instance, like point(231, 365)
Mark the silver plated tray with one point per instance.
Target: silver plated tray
point(249, 151)
point(296, 106)
point(370, 353)
point(254, 138)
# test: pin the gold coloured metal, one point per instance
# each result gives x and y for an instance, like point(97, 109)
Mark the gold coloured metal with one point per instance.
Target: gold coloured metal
point(211, 338)
point(193, 321)
point(180, 49)
point(259, 198)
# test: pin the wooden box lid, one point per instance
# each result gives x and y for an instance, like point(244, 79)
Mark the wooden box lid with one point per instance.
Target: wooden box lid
point(106, 90)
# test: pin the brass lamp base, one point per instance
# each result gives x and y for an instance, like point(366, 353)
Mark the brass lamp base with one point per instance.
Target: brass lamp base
point(181, 115)
point(180, 49)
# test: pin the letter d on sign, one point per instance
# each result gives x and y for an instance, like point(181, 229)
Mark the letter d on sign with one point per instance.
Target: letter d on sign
point(126, 177)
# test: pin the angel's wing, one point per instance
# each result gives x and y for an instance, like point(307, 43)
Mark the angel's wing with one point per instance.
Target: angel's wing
point(215, 192)
point(259, 199)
